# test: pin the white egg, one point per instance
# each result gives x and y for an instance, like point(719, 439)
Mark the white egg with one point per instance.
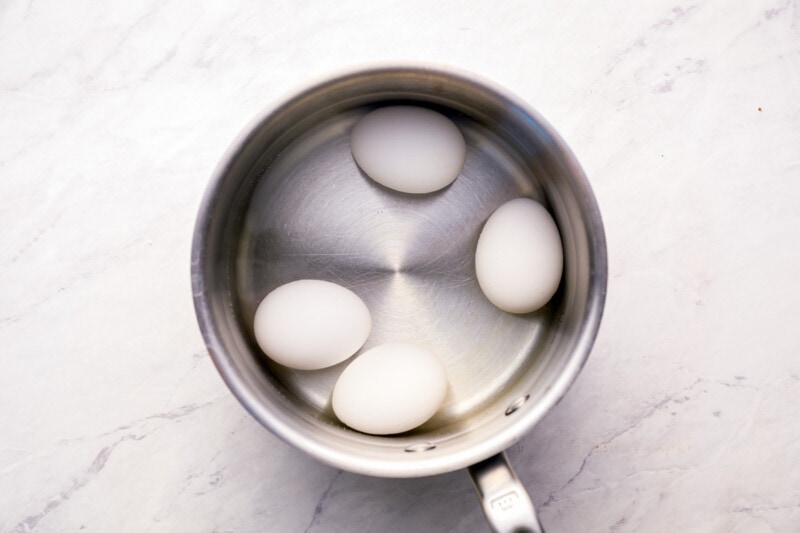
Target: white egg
point(311, 324)
point(408, 149)
point(519, 258)
point(390, 389)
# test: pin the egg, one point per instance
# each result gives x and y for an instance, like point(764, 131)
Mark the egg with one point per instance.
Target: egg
point(390, 389)
point(409, 149)
point(311, 324)
point(519, 258)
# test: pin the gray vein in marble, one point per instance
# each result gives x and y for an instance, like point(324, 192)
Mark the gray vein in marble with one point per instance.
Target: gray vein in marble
point(29, 523)
point(32, 143)
point(321, 503)
point(120, 41)
point(174, 414)
point(752, 513)
point(181, 412)
point(689, 65)
point(215, 480)
point(197, 359)
point(618, 524)
point(651, 410)
point(779, 9)
point(25, 14)
point(677, 14)
point(742, 509)
point(169, 56)
point(770, 13)
point(770, 16)
point(739, 382)
point(41, 232)
point(8, 320)
point(130, 247)
point(102, 457)
point(171, 415)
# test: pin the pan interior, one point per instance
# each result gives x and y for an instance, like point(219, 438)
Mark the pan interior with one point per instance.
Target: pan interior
point(314, 214)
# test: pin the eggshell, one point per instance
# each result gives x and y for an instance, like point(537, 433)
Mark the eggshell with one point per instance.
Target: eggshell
point(311, 324)
point(390, 389)
point(519, 258)
point(409, 149)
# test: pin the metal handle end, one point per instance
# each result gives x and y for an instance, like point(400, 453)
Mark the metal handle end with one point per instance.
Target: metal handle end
point(505, 501)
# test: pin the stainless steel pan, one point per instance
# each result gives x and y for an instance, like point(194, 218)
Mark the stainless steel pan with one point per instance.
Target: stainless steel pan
point(288, 202)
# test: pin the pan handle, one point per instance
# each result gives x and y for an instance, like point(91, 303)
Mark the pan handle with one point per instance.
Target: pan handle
point(504, 499)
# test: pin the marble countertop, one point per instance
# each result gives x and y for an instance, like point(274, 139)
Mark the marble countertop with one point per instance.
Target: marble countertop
point(685, 116)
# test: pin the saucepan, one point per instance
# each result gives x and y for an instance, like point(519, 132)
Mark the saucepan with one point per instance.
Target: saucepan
point(288, 202)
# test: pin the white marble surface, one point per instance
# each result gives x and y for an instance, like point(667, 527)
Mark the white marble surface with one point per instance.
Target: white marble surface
point(685, 115)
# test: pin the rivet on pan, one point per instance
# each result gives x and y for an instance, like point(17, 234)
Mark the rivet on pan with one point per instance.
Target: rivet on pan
point(420, 447)
point(516, 404)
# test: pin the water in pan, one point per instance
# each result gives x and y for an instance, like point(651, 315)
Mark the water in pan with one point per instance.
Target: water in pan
point(411, 258)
